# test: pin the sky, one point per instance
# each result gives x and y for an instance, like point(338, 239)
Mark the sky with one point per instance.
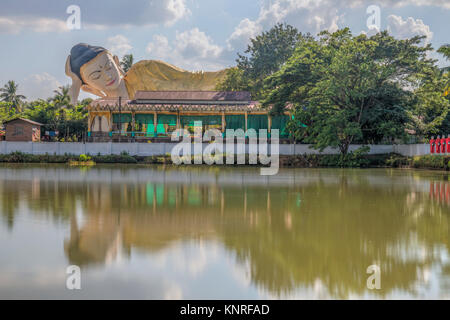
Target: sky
point(195, 35)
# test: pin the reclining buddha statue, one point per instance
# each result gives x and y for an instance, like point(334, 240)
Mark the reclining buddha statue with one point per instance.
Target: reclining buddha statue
point(95, 70)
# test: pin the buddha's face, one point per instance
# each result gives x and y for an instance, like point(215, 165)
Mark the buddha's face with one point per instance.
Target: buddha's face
point(101, 73)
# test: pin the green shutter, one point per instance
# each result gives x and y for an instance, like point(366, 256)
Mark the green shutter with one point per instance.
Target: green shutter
point(170, 119)
point(258, 122)
point(206, 120)
point(144, 118)
point(235, 122)
point(126, 117)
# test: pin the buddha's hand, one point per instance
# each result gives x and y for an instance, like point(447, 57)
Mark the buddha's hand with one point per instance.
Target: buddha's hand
point(76, 83)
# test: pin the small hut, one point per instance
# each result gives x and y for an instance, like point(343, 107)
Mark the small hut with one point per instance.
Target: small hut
point(22, 130)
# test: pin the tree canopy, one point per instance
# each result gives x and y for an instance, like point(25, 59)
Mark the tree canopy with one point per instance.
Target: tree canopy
point(350, 89)
point(265, 54)
point(56, 113)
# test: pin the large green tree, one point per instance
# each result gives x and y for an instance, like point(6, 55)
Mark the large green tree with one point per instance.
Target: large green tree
point(265, 54)
point(430, 115)
point(234, 80)
point(349, 89)
point(9, 94)
point(127, 62)
point(445, 51)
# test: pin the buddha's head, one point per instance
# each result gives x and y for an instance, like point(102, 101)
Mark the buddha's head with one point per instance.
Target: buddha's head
point(93, 69)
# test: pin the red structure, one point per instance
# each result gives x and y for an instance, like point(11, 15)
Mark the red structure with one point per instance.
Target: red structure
point(438, 145)
point(448, 143)
point(443, 141)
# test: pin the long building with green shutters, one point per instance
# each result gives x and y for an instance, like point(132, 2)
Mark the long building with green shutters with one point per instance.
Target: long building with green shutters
point(154, 115)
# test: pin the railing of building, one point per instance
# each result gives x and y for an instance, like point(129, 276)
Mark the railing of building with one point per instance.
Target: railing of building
point(163, 125)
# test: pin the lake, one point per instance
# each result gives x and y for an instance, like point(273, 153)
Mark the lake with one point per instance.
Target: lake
point(154, 232)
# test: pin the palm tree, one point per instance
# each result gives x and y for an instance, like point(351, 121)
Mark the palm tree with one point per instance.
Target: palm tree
point(127, 62)
point(9, 94)
point(62, 97)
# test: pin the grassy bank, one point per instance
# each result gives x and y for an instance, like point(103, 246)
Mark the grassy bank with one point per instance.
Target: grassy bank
point(367, 161)
point(303, 161)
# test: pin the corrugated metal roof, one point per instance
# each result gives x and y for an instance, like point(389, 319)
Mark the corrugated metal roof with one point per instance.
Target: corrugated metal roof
point(26, 120)
point(193, 95)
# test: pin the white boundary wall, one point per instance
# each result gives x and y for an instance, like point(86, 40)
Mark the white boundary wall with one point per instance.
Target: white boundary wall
point(157, 149)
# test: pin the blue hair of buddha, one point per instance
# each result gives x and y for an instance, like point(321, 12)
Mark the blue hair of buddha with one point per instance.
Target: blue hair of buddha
point(81, 54)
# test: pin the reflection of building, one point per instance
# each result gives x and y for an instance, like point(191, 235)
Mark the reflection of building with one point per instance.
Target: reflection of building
point(440, 191)
point(152, 216)
point(156, 114)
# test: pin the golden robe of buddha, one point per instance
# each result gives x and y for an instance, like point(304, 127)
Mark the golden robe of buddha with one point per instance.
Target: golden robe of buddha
point(153, 75)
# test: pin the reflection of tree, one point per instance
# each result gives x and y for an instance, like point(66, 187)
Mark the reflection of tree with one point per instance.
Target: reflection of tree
point(326, 229)
point(331, 239)
point(9, 202)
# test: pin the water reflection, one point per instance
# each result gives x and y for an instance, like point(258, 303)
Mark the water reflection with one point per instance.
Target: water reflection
point(313, 229)
point(440, 191)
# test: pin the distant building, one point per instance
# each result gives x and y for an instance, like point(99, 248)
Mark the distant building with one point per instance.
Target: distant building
point(156, 114)
point(22, 130)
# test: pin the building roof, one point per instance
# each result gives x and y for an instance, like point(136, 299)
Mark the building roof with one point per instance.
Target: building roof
point(184, 101)
point(241, 96)
point(26, 120)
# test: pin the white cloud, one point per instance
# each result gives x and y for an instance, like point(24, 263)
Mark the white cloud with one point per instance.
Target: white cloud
point(418, 3)
point(317, 15)
point(192, 49)
point(177, 9)
point(246, 30)
point(49, 15)
point(159, 47)
point(196, 44)
point(39, 86)
point(14, 25)
point(408, 28)
point(307, 15)
point(119, 45)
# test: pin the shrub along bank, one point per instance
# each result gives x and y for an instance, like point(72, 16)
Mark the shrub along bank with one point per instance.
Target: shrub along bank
point(351, 160)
